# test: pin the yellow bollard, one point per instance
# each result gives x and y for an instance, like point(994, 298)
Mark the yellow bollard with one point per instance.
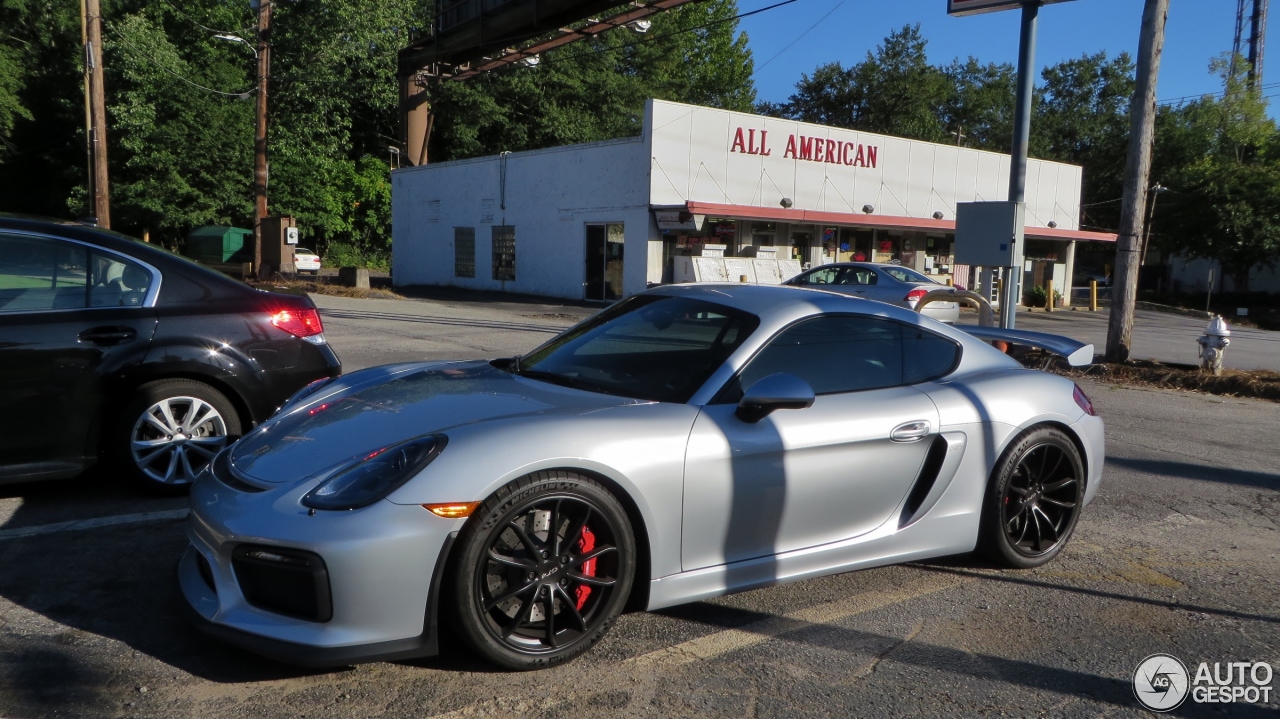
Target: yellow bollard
point(1048, 303)
point(1093, 295)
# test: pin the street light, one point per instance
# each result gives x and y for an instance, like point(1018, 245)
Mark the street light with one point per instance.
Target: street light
point(1154, 192)
point(237, 38)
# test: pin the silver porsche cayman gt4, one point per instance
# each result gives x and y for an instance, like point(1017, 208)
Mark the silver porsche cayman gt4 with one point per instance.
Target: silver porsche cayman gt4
point(685, 443)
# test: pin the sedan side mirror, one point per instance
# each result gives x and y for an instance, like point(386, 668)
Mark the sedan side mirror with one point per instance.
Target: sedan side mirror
point(777, 391)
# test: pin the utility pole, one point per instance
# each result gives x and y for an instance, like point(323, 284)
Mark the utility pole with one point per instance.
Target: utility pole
point(260, 133)
point(98, 111)
point(1142, 119)
point(1257, 41)
point(88, 107)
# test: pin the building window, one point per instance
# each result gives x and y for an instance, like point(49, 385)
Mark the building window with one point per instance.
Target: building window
point(504, 252)
point(464, 252)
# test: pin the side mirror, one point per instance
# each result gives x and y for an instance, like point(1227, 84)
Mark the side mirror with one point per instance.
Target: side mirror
point(777, 391)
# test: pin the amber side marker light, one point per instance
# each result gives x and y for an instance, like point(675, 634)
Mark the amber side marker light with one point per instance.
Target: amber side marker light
point(452, 510)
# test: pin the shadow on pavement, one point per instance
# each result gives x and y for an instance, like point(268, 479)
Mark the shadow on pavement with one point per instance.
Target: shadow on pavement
point(1186, 470)
point(951, 660)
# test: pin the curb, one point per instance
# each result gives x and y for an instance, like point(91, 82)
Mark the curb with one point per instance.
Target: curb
point(1170, 309)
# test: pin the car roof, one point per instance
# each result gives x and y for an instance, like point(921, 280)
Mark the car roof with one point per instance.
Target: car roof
point(779, 302)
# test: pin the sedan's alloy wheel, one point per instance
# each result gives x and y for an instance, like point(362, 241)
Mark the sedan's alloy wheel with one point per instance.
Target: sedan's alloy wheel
point(176, 438)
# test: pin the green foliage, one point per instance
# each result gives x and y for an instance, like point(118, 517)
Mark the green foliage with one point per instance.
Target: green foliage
point(181, 138)
point(1226, 189)
point(893, 91)
point(595, 89)
point(1036, 297)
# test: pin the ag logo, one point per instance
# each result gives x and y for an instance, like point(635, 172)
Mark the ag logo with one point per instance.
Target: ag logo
point(1160, 682)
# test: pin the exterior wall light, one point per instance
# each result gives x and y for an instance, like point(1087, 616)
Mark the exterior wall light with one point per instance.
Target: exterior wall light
point(937, 215)
point(786, 202)
point(868, 209)
point(1053, 224)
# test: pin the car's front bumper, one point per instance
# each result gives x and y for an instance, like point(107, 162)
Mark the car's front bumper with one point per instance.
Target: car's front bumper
point(384, 567)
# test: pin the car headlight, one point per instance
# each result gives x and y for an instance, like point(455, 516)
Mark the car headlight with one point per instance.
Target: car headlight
point(375, 476)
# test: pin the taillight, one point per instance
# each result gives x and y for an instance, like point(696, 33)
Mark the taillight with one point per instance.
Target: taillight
point(914, 295)
point(1083, 400)
point(299, 323)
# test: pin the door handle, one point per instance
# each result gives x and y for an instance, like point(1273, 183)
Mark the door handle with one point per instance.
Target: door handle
point(910, 431)
point(108, 335)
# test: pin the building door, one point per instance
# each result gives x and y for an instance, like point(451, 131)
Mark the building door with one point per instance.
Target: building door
point(603, 278)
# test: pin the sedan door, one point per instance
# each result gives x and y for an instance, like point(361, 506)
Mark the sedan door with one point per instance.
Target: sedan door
point(71, 316)
point(803, 478)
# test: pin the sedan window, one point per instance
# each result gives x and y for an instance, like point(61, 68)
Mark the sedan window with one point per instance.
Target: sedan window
point(40, 275)
point(903, 274)
point(649, 347)
point(117, 282)
point(824, 276)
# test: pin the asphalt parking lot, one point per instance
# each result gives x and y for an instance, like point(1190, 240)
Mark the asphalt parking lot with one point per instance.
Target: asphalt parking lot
point(1180, 553)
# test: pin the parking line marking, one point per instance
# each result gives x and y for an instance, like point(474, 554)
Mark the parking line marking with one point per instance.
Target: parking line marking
point(95, 523)
point(728, 640)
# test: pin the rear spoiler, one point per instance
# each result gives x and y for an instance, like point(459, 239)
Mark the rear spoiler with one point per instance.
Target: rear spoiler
point(1077, 354)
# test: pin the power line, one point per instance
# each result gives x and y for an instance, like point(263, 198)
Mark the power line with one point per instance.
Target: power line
point(656, 38)
point(1220, 93)
point(801, 35)
point(161, 66)
point(191, 20)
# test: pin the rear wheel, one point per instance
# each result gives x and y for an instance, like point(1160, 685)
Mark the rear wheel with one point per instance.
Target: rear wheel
point(170, 431)
point(544, 568)
point(1034, 499)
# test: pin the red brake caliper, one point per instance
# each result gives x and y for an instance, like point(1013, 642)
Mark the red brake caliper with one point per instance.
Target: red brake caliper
point(586, 544)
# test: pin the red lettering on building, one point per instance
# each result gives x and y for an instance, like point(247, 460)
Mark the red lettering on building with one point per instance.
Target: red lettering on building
point(814, 149)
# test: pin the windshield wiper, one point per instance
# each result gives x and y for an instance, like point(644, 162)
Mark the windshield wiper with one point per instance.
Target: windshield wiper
point(562, 380)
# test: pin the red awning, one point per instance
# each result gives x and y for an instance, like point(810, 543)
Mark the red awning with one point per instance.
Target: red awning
point(814, 217)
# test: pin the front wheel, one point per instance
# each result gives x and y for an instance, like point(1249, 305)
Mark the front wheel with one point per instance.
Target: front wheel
point(170, 430)
point(544, 568)
point(1034, 499)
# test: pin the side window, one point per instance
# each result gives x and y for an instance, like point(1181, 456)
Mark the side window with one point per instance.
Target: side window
point(41, 274)
point(826, 276)
point(841, 353)
point(464, 252)
point(861, 276)
point(116, 282)
point(504, 252)
point(926, 356)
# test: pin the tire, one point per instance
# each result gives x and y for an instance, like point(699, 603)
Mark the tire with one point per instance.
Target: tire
point(1033, 500)
point(519, 605)
point(165, 455)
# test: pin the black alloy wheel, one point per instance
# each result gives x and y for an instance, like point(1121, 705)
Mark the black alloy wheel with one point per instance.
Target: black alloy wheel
point(1035, 500)
point(546, 566)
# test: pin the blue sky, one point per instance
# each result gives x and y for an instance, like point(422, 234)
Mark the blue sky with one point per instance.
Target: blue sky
point(1197, 31)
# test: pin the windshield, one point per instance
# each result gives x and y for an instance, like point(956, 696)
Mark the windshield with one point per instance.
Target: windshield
point(902, 274)
point(650, 347)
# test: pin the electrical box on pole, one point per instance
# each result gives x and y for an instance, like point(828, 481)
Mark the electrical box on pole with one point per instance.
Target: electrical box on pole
point(989, 234)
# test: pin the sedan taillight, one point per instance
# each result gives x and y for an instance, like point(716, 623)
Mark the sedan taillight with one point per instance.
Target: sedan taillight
point(914, 295)
point(299, 323)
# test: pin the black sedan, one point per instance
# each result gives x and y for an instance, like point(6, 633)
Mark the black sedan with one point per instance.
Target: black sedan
point(116, 350)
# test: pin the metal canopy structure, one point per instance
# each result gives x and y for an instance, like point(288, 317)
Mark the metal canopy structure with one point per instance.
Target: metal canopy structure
point(473, 37)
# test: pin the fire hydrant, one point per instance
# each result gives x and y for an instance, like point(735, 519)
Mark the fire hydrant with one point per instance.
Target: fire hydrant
point(1213, 345)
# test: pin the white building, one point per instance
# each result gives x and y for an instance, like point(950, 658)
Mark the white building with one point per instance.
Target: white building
point(603, 220)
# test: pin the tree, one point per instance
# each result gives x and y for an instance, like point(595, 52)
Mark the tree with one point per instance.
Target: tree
point(10, 104)
point(1226, 199)
point(981, 103)
point(1082, 118)
point(893, 91)
point(595, 89)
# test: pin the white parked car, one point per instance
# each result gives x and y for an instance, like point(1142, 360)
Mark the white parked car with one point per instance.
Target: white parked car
point(306, 261)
